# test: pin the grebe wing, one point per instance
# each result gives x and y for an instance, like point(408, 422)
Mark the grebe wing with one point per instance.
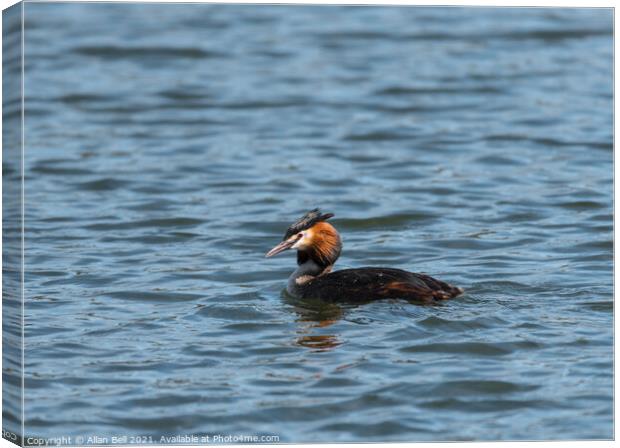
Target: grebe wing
point(365, 284)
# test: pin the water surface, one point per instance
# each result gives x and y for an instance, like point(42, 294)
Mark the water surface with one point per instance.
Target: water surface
point(169, 146)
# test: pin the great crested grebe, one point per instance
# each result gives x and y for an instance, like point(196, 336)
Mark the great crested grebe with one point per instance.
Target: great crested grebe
point(318, 247)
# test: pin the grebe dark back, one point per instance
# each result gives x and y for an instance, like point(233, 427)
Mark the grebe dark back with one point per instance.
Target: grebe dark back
point(318, 247)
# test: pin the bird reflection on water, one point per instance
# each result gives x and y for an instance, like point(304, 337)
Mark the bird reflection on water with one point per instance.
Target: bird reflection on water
point(314, 315)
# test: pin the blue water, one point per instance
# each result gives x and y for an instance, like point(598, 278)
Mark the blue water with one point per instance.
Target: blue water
point(168, 147)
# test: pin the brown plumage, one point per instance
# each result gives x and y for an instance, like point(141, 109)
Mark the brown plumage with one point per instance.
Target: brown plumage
point(372, 283)
point(324, 244)
point(318, 247)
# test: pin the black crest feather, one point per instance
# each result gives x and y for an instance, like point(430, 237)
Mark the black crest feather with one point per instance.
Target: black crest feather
point(307, 221)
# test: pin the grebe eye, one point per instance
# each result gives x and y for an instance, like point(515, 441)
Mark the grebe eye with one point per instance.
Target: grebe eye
point(299, 235)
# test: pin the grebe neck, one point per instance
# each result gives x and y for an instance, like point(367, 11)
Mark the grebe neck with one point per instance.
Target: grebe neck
point(307, 269)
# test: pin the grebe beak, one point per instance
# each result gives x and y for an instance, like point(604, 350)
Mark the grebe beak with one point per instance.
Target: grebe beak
point(284, 245)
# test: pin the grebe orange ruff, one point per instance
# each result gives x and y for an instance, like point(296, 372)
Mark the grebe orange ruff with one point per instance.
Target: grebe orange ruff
point(318, 247)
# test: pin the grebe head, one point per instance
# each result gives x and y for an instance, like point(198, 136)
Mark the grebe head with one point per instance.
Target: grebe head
point(314, 237)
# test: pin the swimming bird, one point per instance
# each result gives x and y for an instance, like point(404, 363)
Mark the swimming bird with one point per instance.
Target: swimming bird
point(318, 246)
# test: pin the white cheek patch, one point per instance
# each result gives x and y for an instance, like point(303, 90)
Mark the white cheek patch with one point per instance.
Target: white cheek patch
point(301, 242)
